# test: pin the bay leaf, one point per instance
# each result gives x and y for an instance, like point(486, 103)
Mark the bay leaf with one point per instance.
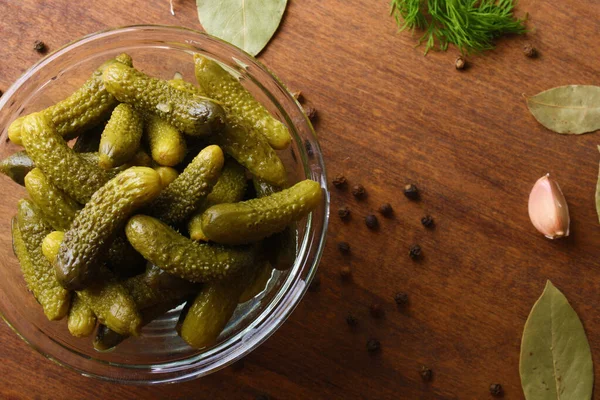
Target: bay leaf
point(572, 109)
point(598, 192)
point(247, 24)
point(556, 362)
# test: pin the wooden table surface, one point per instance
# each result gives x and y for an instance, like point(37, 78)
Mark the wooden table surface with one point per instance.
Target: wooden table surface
point(388, 116)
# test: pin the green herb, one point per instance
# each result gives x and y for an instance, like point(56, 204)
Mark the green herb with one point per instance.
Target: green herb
point(247, 24)
point(598, 193)
point(572, 109)
point(556, 362)
point(471, 25)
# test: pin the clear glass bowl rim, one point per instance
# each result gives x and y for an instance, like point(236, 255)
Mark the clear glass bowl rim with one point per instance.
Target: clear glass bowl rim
point(284, 302)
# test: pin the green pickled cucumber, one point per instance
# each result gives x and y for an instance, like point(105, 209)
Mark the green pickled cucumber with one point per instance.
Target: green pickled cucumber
point(180, 199)
point(193, 115)
point(230, 188)
point(107, 298)
point(66, 169)
point(86, 107)
point(58, 209)
point(28, 236)
point(147, 295)
point(167, 144)
point(204, 319)
point(121, 137)
point(182, 257)
point(250, 148)
point(82, 320)
point(180, 84)
point(167, 175)
point(16, 166)
point(264, 188)
point(122, 259)
point(257, 283)
point(256, 219)
point(89, 141)
point(88, 238)
point(223, 87)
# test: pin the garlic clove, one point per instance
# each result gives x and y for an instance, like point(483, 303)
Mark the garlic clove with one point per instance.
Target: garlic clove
point(548, 209)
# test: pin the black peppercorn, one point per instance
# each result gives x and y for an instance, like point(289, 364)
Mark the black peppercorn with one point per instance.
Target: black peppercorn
point(311, 113)
point(39, 46)
point(371, 221)
point(309, 148)
point(343, 247)
point(401, 298)
point(376, 310)
point(386, 210)
point(411, 192)
point(343, 212)
point(427, 221)
point(460, 63)
point(415, 251)
point(339, 181)
point(496, 389)
point(373, 345)
point(351, 320)
point(426, 374)
point(358, 191)
point(345, 273)
point(529, 50)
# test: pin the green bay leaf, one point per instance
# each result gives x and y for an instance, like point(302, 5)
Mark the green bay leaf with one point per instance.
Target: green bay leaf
point(556, 362)
point(572, 109)
point(247, 24)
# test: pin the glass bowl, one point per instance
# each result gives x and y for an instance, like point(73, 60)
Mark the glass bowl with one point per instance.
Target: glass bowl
point(159, 355)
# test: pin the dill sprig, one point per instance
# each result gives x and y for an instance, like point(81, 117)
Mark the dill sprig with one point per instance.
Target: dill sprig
point(471, 25)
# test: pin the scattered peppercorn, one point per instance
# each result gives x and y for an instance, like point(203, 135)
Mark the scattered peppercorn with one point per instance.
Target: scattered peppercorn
point(426, 374)
point(339, 181)
point(309, 148)
point(401, 298)
point(343, 212)
point(427, 221)
point(411, 192)
point(460, 63)
point(371, 221)
point(345, 273)
point(376, 310)
point(496, 389)
point(415, 251)
point(351, 320)
point(386, 210)
point(39, 46)
point(343, 247)
point(358, 191)
point(315, 284)
point(311, 113)
point(297, 95)
point(373, 345)
point(529, 50)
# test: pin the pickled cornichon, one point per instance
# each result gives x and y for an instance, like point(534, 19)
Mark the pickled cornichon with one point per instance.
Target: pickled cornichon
point(230, 188)
point(81, 320)
point(193, 115)
point(167, 175)
point(28, 236)
point(249, 112)
point(58, 209)
point(86, 107)
point(255, 219)
point(182, 257)
point(180, 199)
point(167, 144)
point(86, 242)
point(121, 137)
point(66, 169)
point(257, 283)
point(106, 297)
point(146, 295)
point(89, 141)
point(16, 166)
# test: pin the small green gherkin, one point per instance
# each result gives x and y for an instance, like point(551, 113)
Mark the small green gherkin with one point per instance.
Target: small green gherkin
point(121, 137)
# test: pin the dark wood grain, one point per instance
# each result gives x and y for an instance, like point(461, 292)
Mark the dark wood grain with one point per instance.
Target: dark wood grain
point(388, 116)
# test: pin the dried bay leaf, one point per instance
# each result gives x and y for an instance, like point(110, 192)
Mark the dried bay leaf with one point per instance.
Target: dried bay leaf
point(556, 362)
point(572, 109)
point(247, 24)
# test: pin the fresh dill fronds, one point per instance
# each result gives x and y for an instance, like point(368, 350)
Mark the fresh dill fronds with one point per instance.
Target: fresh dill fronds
point(471, 25)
